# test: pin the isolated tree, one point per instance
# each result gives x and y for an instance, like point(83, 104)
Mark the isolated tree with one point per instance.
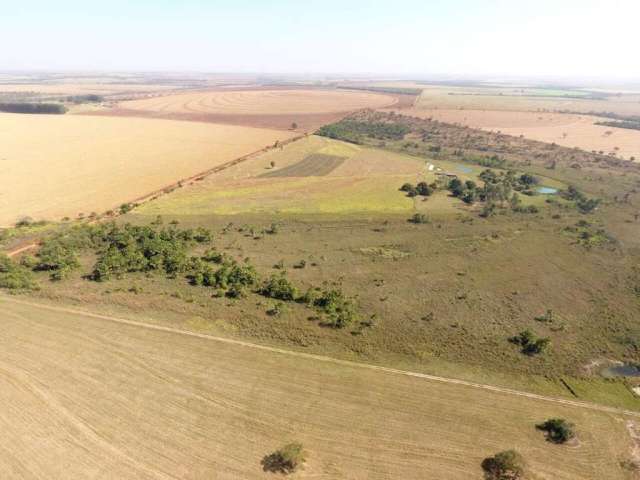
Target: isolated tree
point(294, 125)
point(272, 163)
point(558, 430)
point(285, 460)
point(507, 465)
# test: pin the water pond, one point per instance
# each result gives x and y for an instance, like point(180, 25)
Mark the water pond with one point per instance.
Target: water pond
point(624, 370)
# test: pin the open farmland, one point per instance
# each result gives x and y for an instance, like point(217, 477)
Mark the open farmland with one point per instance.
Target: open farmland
point(317, 175)
point(361, 180)
point(563, 129)
point(516, 98)
point(261, 107)
point(56, 166)
point(66, 376)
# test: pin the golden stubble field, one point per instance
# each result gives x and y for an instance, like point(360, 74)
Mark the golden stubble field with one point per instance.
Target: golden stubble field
point(258, 102)
point(88, 397)
point(264, 107)
point(567, 130)
point(56, 166)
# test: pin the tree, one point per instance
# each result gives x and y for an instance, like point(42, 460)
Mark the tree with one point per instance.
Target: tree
point(558, 430)
point(294, 126)
point(424, 189)
point(456, 187)
point(272, 163)
point(285, 460)
point(507, 465)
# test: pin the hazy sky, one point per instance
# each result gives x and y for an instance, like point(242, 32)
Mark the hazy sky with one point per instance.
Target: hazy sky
point(396, 37)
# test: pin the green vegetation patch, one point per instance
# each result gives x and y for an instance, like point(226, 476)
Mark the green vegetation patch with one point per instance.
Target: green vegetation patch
point(37, 108)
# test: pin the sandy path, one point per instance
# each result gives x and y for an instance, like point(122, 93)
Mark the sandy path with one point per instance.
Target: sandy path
point(322, 358)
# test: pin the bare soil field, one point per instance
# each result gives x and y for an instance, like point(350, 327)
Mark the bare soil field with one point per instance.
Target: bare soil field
point(95, 390)
point(259, 107)
point(563, 129)
point(56, 166)
point(315, 165)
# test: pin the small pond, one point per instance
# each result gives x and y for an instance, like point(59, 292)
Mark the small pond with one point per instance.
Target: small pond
point(464, 169)
point(547, 190)
point(626, 370)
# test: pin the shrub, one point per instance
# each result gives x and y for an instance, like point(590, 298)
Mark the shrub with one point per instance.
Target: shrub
point(424, 189)
point(285, 460)
point(419, 218)
point(280, 288)
point(340, 310)
point(507, 465)
point(558, 430)
point(531, 345)
point(14, 276)
point(58, 257)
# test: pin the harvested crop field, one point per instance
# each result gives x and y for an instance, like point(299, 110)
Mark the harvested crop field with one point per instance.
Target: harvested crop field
point(563, 129)
point(275, 108)
point(56, 166)
point(315, 165)
point(516, 98)
point(92, 390)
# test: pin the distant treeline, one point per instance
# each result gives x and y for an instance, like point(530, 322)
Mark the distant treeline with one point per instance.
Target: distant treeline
point(91, 98)
point(630, 124)
point(392, 90)
point(353, 131)
point(26, 107)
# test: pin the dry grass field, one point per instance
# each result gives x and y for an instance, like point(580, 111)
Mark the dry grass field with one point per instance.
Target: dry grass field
point(355, 180)
point(563, 129)
point(260, 107)
point(85, 396)
point(317, 175)
point(56, 166)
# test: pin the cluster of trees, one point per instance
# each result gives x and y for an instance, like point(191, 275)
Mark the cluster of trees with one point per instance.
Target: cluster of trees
point(629, 124)
point(422, 188)
point(582, 202)
point(153, 248)
point(14, 276)
point(498, 189)
point(339, 309)
point(353, 131)
point(90, 98)
point(28, 107)
point(229, 276)
point(144, 248)
point(531, 345)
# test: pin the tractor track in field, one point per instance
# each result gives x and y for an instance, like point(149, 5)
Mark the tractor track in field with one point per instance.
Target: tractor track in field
point(326, 359)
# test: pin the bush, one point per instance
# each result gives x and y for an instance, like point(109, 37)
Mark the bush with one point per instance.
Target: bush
point(58, 257)
point(529, 343)
point(558, 430)
point(285, 460)
point(340, 310)
point(419, 218)
point(507, 465)
point(280, 288)
point(14, 276)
